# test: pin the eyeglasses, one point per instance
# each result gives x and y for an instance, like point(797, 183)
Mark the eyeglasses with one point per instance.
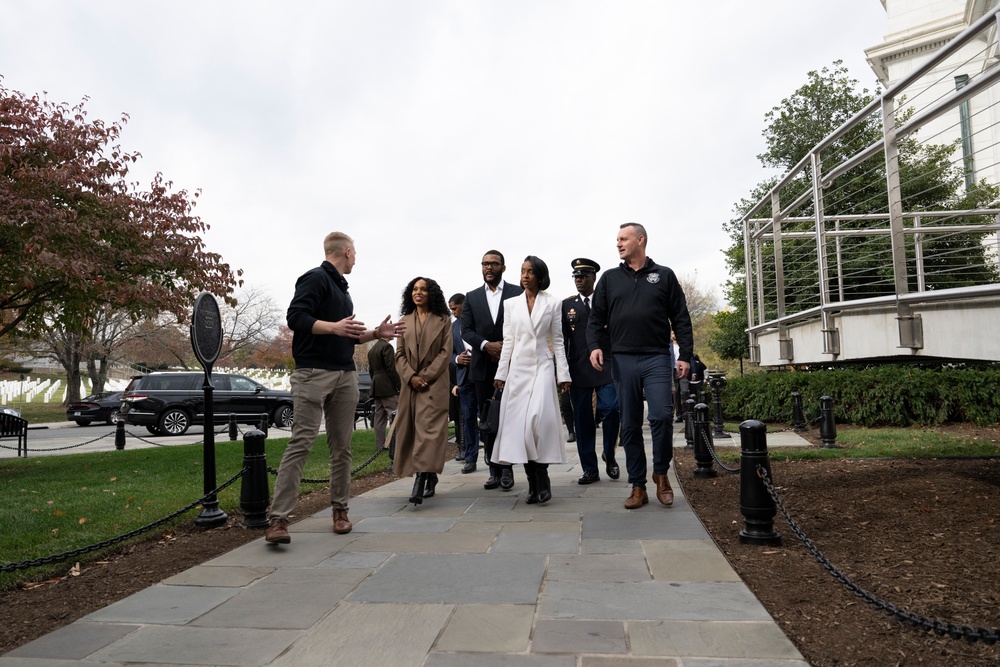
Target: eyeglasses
point(491, 265)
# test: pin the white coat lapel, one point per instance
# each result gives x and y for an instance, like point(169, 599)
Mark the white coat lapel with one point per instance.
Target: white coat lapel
point(539, 317)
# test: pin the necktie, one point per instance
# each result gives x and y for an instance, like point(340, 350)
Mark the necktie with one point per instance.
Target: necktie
point(586, 302)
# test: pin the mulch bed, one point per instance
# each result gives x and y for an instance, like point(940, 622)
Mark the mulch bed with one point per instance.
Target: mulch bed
point(920, 534)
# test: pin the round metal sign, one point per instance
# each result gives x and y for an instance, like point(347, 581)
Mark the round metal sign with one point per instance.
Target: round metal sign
point(206, 330)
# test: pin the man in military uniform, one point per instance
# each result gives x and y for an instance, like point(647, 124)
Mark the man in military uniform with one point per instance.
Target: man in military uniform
point(587, 381)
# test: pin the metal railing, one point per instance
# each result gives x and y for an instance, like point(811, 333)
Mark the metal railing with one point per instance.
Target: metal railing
point(862, 220)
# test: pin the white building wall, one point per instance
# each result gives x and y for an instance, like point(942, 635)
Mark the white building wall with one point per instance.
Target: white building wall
point(918, 28)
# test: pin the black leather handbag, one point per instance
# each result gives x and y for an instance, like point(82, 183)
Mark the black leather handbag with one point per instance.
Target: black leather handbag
point(490, 423)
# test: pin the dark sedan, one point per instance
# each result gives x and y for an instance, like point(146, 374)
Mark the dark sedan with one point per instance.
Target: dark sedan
point(101, 407)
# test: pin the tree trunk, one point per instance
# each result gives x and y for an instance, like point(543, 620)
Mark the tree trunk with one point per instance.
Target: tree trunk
point(64, 347)
point(97, 369)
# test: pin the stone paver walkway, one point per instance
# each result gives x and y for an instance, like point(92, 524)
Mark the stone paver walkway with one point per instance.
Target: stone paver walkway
point(470, 577)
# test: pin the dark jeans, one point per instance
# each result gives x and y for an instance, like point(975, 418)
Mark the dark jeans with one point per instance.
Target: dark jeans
point(634, 375)
point(586, 424)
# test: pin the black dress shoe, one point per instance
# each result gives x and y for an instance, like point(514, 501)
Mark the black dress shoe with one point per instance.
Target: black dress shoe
point(571, 437)
point(506, 479)
point(469, 467)
point(460, 456)
point(589, 478)
point(614, 472)
point(492, 483)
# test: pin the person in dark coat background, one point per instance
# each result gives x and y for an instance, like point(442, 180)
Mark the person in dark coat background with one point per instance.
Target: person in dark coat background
point(385, 387)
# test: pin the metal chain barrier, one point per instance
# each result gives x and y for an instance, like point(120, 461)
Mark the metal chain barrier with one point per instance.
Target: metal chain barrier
point(370, 460)
point(45, 560)
point(102, 437)
point(813, 422)
point(306, 480)
point(711, 450)
point(56, 449)
point(987, 635)
point(145, 440)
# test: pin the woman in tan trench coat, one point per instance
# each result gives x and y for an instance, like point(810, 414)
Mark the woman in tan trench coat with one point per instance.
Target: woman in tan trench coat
point(422, 356)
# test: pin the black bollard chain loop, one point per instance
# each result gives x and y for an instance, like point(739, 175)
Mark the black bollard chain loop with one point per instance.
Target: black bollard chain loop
point(66, 555)
point(988, 636)
point(711, 450)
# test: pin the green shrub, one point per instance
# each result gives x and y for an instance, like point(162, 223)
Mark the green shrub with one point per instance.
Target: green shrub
point(879, 396)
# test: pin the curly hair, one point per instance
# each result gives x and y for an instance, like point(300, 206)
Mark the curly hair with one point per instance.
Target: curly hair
point(541, 270)
point(435, 298)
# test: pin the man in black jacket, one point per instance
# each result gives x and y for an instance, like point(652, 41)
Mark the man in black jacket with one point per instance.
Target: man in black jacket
point(482, 328)
point(324, 333)
point(640, 302)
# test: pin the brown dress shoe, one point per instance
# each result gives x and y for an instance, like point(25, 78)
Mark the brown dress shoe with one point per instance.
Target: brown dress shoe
point(663, 491)
point(341, 524)
point(637, 499)
point(277, 532)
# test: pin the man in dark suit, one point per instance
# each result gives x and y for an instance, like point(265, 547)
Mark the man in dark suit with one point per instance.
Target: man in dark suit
point(465, 389)
point(482, 328)
point(588, 381)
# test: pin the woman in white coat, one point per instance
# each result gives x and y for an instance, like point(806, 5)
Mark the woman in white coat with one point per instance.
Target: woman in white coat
point(532, 360)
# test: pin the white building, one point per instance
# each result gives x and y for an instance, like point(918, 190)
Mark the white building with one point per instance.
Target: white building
point(918, 28)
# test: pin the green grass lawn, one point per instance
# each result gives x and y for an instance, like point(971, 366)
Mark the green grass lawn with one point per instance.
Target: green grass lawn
point(863, 443)
point(37, 412)
point(54, 504)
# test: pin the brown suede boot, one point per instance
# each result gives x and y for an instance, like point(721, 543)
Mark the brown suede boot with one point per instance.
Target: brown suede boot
point(663, 491)
point(277, 532)
point(637, 499)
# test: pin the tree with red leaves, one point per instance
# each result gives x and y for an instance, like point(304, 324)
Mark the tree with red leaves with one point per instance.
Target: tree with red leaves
point(77, 239)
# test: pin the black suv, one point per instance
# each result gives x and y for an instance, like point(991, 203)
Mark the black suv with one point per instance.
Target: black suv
point(169, 403)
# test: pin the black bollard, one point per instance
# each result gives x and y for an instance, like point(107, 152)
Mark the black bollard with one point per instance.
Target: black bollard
point(827, 425)
point(798, 416)
point(232, 427)
point(263, 423)
point(120, 434)
point(703, 458)
point(717, 381)
point(756, 504)
point(689, 423)
point(253, 492)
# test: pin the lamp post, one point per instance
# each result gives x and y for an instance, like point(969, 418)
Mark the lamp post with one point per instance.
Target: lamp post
point(206, 339)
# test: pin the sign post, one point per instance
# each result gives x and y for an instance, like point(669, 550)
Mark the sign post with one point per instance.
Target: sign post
point(206, 339)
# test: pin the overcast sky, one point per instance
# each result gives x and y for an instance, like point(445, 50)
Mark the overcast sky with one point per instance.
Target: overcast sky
point(434, 130)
